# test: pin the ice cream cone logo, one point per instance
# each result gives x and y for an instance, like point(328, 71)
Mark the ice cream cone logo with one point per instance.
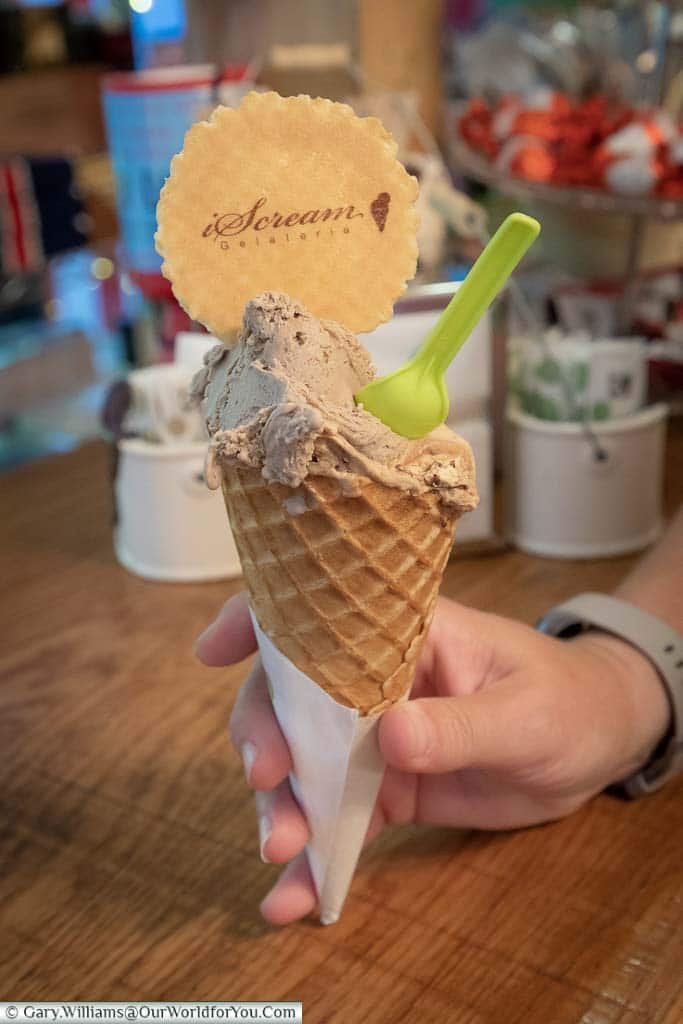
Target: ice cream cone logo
point(379, 208)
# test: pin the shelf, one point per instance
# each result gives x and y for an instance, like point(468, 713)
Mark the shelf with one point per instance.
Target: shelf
point(470, 164)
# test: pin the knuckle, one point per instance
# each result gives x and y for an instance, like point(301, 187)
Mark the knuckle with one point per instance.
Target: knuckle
point(546, 730)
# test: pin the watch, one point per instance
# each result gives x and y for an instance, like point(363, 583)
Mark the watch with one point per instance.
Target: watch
point(657, 641)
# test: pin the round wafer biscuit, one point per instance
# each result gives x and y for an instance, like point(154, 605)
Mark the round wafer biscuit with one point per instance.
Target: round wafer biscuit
point(288, 194)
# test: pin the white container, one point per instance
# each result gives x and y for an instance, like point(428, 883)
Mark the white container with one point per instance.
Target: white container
point(563, 503)
point(170, 525)
point(159, 408)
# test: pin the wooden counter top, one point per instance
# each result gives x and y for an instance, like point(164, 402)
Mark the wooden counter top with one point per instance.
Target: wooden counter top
point(129, 865)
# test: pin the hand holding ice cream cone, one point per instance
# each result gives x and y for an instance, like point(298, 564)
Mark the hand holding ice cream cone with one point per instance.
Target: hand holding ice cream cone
point(343, 526)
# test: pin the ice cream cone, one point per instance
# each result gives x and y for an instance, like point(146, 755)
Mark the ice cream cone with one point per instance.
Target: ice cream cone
point(342, 588)
point(343, 584)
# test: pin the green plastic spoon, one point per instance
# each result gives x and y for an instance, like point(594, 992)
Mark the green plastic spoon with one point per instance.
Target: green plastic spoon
point(413, 399)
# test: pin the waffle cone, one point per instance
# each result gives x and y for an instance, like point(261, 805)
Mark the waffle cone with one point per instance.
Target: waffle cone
point(344, 585)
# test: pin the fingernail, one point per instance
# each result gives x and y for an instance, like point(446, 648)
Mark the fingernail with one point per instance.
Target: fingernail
point(265, 825)
point(249, 754)
point(209, 631)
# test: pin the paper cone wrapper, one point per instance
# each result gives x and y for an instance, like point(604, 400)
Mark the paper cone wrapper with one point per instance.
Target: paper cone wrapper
point(337, 772)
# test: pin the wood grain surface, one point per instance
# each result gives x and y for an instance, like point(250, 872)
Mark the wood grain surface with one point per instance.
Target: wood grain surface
point(128, 852)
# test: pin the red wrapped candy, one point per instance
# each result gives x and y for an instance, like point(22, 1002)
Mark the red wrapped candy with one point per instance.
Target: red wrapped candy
point(474, 126)
point(526, 157)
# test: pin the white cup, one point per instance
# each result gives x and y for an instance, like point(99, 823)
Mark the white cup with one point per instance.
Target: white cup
point(170, 525)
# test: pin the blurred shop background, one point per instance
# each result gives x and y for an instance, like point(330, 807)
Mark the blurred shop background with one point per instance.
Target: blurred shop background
point(568, 111)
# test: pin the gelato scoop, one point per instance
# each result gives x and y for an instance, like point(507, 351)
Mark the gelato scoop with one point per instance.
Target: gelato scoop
point(281, 401)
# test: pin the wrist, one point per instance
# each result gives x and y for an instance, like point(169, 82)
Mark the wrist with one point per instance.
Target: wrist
point(642, 713)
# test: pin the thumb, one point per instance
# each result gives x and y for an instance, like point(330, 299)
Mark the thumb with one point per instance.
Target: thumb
point(487, 729)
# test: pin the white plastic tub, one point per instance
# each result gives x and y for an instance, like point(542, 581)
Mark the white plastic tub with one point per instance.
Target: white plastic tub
point(170, 525)
point(562, 502)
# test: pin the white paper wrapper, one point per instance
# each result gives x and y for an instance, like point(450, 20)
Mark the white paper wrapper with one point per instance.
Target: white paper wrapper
point(337, 772)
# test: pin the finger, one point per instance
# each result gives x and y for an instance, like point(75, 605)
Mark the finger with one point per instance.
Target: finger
point(230, 637)
point(293, 895)
point(283, 831)
point(396, 803)
point(466, 649)
point(256, 735)
point(397, 797)
point(452, 658)
point(497, 728)
point(377, 823)
point(424, 670)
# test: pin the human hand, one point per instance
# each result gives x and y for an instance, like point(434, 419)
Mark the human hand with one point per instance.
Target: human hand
point(505, 728)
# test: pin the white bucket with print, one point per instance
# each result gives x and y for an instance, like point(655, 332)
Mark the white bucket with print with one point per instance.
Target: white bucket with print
point(605, 378)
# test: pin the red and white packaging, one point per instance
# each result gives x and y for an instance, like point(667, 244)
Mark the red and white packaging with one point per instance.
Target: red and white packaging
point(642, 137)
point(633, 176)
point(526, 157)
point(675, 151)
point(504, 117)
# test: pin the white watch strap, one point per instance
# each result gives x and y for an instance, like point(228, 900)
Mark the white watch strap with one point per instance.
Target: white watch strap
point(658, 642)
